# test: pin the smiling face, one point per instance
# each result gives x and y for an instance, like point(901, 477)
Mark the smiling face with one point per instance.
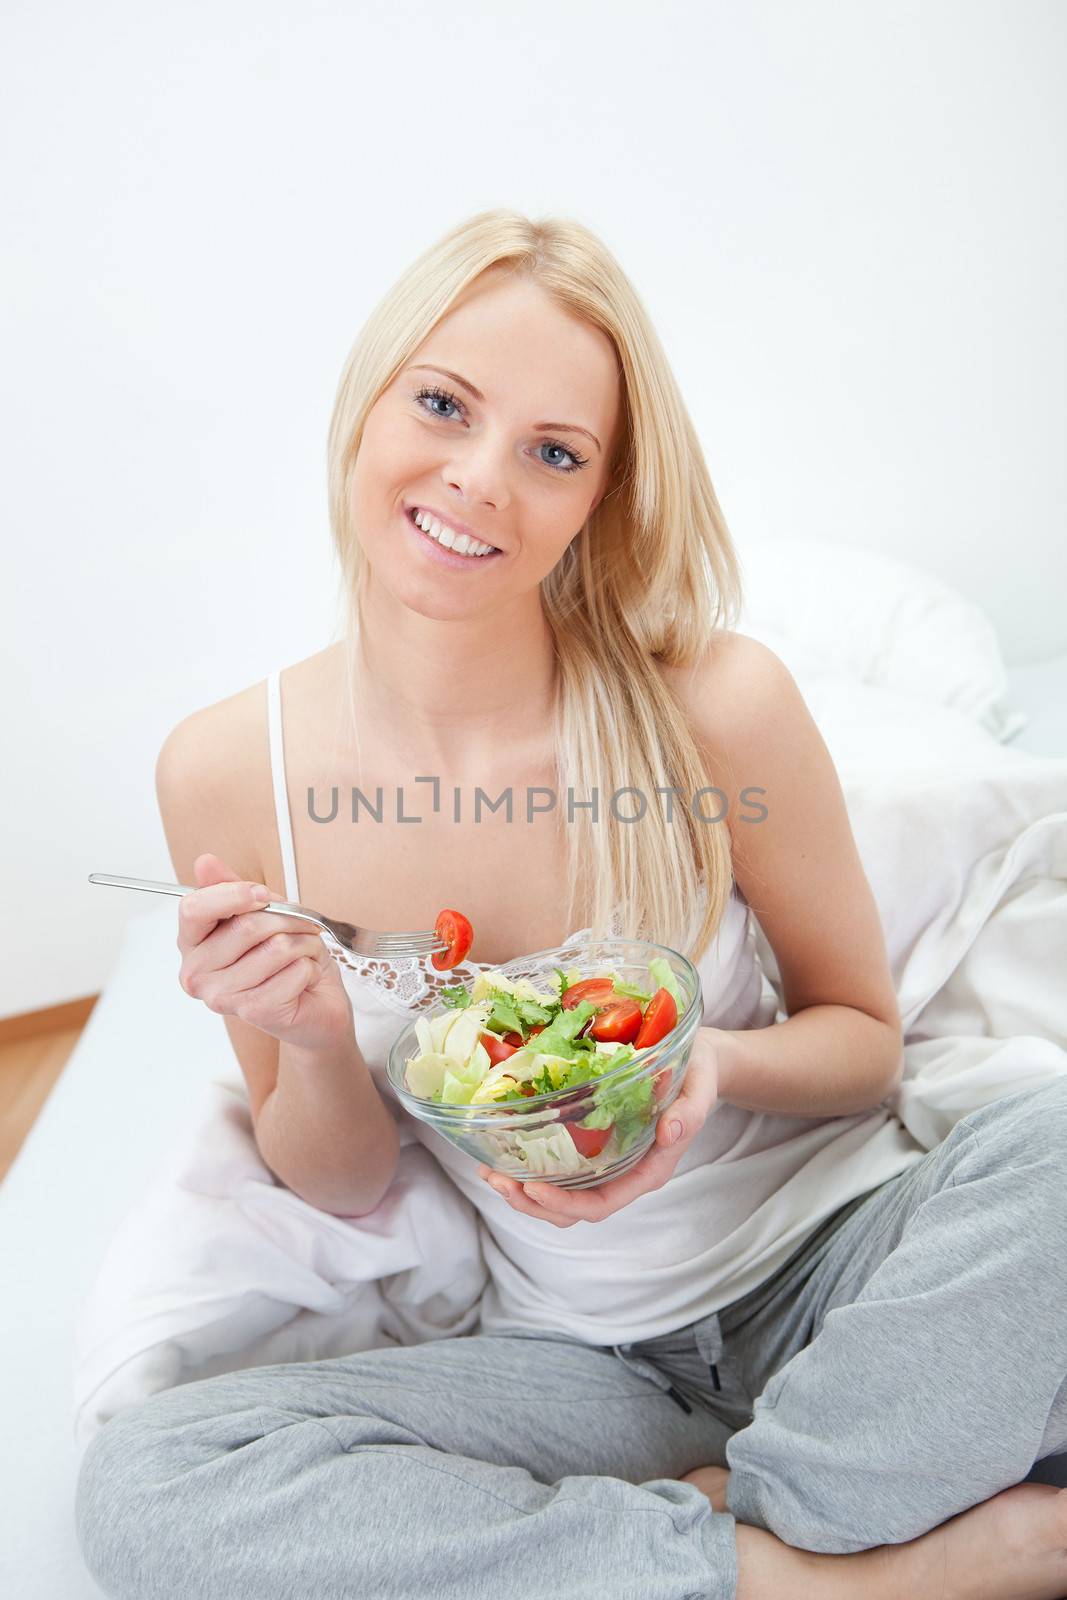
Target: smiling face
point(520, 463)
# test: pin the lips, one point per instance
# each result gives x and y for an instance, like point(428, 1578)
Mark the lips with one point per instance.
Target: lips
point(441, 553)
point(450, 522)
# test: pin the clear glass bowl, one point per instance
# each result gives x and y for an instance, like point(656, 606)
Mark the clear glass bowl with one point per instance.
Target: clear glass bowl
point(506, 1136)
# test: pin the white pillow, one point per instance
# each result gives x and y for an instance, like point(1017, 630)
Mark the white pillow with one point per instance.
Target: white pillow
point(830, 609)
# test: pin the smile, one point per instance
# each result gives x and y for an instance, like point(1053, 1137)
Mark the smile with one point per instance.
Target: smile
point(458, 544)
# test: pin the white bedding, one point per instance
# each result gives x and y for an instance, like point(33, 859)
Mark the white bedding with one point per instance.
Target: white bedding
point(1039, 691)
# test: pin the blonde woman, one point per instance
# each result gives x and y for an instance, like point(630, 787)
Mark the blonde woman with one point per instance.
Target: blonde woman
point(541, 594)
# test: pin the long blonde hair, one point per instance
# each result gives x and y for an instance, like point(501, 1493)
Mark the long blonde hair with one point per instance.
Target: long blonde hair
point(649, 579)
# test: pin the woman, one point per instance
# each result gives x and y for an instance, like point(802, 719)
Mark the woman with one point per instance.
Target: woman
point(639, 1337)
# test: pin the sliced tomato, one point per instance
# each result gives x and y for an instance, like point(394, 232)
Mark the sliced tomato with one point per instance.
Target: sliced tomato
point(457, 933)
point(502, 1045)
point(618, 1023)
point(589, 1141)
point(661, 1014)
point(498, 1049)
point(597, 990)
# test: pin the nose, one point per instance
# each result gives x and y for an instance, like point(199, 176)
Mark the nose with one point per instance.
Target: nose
point(476, 480)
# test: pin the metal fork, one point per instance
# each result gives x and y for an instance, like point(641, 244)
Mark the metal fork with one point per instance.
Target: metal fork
point(356, 941)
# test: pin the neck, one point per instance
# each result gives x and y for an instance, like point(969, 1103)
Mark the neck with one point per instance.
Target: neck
point(455, 692)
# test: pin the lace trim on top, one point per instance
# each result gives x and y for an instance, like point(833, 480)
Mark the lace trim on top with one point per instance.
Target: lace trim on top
point(410, 983)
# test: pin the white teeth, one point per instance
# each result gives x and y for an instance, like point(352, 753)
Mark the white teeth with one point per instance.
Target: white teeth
point(460, 542)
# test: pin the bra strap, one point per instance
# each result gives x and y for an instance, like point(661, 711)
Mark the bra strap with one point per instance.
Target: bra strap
point(281, 794)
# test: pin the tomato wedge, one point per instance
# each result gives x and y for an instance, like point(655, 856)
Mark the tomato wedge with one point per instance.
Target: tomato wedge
point(589, 1141)
point(599, 991)
point(502, 1045)
point(497, 1048)
point(618, 1023)
point(457, 933)
point(661, 1014)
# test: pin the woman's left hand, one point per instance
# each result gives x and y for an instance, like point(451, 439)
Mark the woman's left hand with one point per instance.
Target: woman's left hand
point(690, 1107)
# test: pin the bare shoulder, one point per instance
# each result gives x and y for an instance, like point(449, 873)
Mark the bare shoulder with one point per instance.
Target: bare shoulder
point(208, 744)
point(736, 677)
point(794, 855)
point(214, 786)
point(211, 773)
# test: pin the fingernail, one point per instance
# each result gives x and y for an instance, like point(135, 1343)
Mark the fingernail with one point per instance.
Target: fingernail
point(674, 1132)
point(260, 892)
point(499, 1187)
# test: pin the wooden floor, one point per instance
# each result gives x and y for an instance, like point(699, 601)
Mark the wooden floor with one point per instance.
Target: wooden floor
point(33, 1052)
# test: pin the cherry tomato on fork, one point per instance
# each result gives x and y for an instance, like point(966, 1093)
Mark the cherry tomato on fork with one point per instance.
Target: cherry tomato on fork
point(456, 931)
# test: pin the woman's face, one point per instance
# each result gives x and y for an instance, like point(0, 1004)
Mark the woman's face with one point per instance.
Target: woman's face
point(488, 464)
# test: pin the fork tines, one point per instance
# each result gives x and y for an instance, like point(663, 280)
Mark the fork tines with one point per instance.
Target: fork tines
point(409, 943)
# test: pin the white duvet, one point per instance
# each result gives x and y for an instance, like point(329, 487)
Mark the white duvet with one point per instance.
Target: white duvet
point(964, 841)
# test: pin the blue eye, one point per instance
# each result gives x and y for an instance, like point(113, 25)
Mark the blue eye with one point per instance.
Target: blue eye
point(432, 392)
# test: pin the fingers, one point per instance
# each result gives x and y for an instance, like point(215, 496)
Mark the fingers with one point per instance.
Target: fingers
point(699, 1092)
point(224, 987)
point(201, 911)
point(268, 1000)
point(564, 1207)
point(230, 939)
point(208, 869)
point(514, 1194)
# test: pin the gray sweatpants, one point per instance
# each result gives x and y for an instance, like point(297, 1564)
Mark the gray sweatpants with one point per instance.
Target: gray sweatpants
point(908, 1362)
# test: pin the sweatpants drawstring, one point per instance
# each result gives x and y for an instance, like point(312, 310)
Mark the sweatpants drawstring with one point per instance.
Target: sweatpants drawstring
point(648, 1370)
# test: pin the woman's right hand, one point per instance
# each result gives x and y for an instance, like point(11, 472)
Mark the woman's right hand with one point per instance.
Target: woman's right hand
point(271, 971)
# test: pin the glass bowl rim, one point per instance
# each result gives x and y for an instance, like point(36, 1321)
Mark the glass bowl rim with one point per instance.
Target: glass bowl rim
point(634, 1065)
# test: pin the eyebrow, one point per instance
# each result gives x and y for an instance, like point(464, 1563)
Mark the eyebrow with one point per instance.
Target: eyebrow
point(566, 427)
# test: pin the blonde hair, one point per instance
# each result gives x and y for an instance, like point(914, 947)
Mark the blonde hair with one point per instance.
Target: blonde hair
point(650, 578)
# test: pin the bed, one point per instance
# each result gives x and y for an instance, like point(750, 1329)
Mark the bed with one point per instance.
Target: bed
point(907, 684)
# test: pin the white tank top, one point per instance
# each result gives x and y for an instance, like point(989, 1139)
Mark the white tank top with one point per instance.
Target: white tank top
point(746, 1194)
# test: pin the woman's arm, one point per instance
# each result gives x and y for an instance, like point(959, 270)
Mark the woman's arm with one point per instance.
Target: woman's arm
point(807, 1065)
point(319, 1121)
point(326, 1132)
point(840, 1049)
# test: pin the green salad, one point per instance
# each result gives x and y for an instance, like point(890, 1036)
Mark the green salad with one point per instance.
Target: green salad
point(502, 1041)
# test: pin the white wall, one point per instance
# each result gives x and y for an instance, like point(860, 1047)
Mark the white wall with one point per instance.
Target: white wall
point(846, 220)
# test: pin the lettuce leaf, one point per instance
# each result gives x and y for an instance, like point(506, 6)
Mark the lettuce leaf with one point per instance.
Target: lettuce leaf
point(558, 1038)
point(455, 994)
point(663, 973)
point(632, 992)
point(545, 1151)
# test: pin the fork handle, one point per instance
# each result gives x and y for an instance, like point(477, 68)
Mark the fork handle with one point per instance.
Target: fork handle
point(151, 884)
point(285, 908)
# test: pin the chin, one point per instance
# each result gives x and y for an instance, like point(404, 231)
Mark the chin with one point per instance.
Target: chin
point(425, 598)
